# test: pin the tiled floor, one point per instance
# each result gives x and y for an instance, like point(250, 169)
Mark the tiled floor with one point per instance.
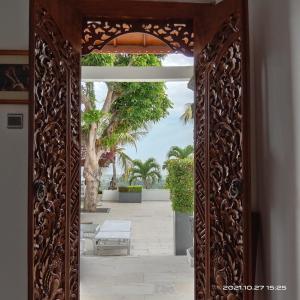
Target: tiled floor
point(152, 225)
point(136, 278)
point(152, 272)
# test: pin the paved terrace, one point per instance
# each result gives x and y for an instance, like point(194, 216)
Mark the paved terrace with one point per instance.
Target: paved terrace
point(151, 272)
point(152, 225)
point(136, 278)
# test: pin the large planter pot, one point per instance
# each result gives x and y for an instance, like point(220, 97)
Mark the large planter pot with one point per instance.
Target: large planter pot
point(130, 197)
point(182, 233)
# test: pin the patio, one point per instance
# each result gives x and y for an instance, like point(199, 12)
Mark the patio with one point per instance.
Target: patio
point(136, 278)
point(152, 225)
point(152, 272)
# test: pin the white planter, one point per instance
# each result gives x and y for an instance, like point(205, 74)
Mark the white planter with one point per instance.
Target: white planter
point(109, 195)
point(156, 195)
point(147, 195)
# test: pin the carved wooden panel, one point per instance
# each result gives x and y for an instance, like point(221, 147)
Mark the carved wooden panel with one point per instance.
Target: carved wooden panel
point(75, 160)
point(56, 159)
point(221, 239)
point(177, 34)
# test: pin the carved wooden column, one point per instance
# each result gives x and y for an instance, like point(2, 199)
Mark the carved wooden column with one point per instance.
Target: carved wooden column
point(54, 173)
point(221, 218)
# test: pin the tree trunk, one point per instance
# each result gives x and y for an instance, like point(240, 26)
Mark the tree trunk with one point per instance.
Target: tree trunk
point(91, 175)
point(146, 184)
point(91, 171)
point(91, 195)
point(114, 171)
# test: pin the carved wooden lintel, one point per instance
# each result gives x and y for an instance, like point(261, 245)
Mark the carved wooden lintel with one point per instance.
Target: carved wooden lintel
point(177, 34)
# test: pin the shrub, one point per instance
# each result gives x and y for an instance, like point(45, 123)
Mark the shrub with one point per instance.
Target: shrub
point(131, 189)
point(180, 181)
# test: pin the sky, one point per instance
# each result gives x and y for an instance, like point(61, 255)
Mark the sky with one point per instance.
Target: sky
point(170, 131)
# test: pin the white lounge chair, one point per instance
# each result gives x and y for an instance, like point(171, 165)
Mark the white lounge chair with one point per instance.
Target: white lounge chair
point(89, 231)
point(113, 234)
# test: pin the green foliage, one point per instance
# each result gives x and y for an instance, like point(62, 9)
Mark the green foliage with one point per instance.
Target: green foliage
point(124, 160)
point(101, 60)
point(92, 116)
point(144, 60)
point(131, 189)
point(110, 141)
point(179, 153)
point(148, 172)
point(121, 60)
point(180, 181)
point(142, 102)
point(138, 103)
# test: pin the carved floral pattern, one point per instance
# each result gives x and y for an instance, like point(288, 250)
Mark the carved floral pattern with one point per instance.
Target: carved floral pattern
point(56, 158)
point(219, 234)
point(75, 175)
point(177, 34)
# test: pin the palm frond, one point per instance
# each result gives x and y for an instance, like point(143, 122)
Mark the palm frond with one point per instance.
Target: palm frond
point(148, 171)
point(180, 153)
point(125, 161)
point(188, 114)
point(133, 179)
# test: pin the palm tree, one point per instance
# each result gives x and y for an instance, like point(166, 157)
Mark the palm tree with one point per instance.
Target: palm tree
point(148, 172)
point(128, 138)
point(189, 113)
point(179, 153)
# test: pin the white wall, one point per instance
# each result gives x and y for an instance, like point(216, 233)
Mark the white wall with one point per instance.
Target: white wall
point(14, 20)
point(13, 201)
point(14, 35)
point(275, 47)
point(147, 195)
point(156, 195)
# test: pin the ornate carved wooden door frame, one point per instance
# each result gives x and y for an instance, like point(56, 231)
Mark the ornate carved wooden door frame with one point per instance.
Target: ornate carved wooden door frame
point(54, 174)
point(222, 214)
point(222, 198)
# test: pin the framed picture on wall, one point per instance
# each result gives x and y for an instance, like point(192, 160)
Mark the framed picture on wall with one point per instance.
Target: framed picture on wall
point(14, 76)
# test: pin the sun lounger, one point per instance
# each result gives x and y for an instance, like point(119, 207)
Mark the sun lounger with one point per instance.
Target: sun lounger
point(89, 231)
point(113, 235)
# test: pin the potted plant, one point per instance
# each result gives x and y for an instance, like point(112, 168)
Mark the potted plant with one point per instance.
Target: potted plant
point(180, 181)
point(130, 194)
